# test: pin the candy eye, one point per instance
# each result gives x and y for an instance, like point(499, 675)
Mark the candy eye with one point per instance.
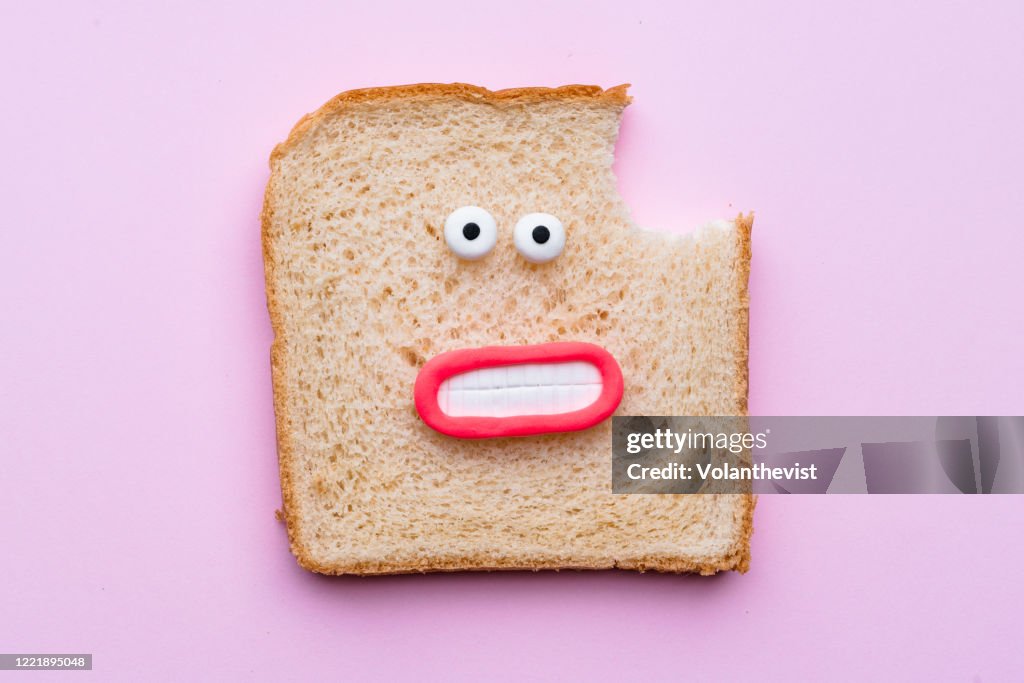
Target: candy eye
point(539, 237)
point(470, 232)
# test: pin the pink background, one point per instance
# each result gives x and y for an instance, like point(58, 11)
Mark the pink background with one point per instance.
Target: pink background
point(879, 143)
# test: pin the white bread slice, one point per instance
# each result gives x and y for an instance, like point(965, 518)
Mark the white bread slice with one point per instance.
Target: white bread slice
point(362, 290)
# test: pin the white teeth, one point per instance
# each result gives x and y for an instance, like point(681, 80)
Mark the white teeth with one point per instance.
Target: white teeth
point(532, 375)
point(560, 373)
point(470, 380)
point(584, 373)
point(522, 389)
point(562, 394)
point(518, 402)
point(591, 392)
point(455, 397)
point(442, 396)
point(516, 375)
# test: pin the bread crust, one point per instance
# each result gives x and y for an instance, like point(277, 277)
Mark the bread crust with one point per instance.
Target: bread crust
point(615, 96)
point(738, 558)
point(744, 226)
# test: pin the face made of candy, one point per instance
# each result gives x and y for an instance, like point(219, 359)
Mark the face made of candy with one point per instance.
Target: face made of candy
point(498, 391)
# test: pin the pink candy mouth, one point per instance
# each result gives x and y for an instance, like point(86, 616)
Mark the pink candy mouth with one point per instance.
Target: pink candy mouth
point(495, 391)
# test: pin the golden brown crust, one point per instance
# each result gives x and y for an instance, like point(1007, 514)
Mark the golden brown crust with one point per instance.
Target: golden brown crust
point(613, 96)
point(284, 445)
point(738, 559)
point(744, 226)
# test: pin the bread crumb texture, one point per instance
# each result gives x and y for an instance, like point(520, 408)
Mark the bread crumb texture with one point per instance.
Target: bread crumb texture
point(362, 290)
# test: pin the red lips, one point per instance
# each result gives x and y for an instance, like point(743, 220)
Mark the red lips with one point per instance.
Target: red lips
point(496, 391)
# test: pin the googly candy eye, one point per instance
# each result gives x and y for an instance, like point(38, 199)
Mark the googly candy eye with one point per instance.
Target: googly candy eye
point(470, 232)
point(539, 237)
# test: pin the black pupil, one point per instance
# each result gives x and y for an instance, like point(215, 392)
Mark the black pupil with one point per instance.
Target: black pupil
point(470, 231)
point(541, 234)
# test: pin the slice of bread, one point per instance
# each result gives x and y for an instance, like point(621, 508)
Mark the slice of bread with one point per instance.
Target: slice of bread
point(362, 291)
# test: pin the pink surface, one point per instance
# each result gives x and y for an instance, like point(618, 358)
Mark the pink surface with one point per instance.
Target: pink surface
point(880, 145)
